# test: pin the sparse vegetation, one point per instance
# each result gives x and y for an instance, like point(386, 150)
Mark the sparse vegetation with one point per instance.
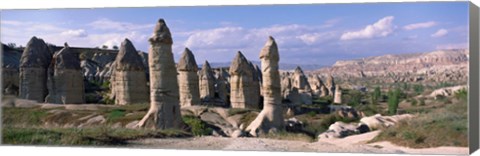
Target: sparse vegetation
point(284, 135)
point(446, 126)
point(418, 89)
point(197, 126)
point(81, 136)
point(376, 95)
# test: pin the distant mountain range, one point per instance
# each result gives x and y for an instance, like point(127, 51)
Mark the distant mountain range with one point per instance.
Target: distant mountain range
point(283, 66)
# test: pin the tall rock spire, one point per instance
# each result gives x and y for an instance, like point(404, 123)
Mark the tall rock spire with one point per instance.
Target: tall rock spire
point(164, 110)
point(271, 117)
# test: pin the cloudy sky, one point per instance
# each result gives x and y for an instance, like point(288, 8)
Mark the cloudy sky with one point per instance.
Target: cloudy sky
point(306, 34)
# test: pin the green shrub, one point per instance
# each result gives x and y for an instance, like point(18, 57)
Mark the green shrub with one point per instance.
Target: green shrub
point(355, 98)
point(418, 88)
point(393, 101)
point(422, 101)
point(197, 126)
point(461, 94)
point(115, 114)
point(413, 102)
point(312, 113)
point(376, 95)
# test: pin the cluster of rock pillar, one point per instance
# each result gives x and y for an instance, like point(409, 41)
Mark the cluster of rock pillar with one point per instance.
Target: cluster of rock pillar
point(57, 78)
point(50, 77)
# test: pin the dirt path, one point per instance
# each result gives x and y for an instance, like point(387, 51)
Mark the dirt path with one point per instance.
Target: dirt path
point(352, 144)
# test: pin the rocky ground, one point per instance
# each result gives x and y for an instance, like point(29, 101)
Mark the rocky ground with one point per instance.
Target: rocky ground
point(351, 144)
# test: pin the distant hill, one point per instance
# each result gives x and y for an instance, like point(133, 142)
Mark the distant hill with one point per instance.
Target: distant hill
point(283, 66)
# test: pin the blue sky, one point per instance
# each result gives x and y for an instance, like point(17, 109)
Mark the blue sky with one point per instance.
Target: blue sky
point(306, 34)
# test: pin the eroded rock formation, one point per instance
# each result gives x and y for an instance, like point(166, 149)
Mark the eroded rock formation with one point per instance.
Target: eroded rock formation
point(164, 112)
point(128, 80)
point(338, 95)
point(241, 80)
point(330, 85)
point(188, 79)
point(271, 117)
point(300, 82)
point(34, 64)
point(207, 83)
point(65, 80)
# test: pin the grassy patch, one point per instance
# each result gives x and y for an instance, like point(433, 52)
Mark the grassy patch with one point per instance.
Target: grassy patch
point(234, 111)
point(283, 135)
point(115, 114)
point(320, 123)
point(446, 126)
point(197, 126)
point(23, 116)
point(78, 136)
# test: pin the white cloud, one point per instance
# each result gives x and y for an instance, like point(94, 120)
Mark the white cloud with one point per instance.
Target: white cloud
point(313, 38)
point(107, 24)
point(440, 33)
point(381, 28)
point(227, 40)
point(75, 33)
point(420, 25)
point(14, 23)
point(20, 32)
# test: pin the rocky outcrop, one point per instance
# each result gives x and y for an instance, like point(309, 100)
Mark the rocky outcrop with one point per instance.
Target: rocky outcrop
point(255, 85)
point(300, 82)
point(222, 88)
point(188, 82)
point(316, 85)
point(378, 121)
point(330, 85)
point(10, 69)
point(207, 83)
point(271, 116)
point(164, 110)
point(65, 80)
point(448, 91)
point(241, 80)
point(339, 130)
point(34, 64)
point(128, 82)
point(436, 66)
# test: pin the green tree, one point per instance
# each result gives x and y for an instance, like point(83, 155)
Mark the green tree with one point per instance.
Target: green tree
point(418, 88)
point(376, 95)
point(393, 101)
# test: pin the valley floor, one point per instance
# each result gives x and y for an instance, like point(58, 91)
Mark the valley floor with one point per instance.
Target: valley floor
point(351, 144)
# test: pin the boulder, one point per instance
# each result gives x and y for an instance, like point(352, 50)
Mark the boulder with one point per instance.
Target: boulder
point(378, 121)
